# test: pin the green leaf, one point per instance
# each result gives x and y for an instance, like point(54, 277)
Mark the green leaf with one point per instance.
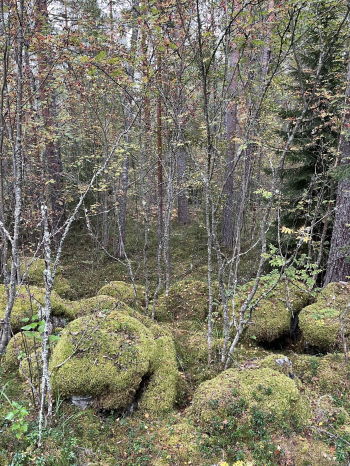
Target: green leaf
point(54, 338)
point(9, 416)
point(30, 326)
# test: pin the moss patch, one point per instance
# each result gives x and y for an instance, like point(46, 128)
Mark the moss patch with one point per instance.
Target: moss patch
point(320, 322)
point(124, 292)
point(26, 305)
point(265, 389)
point(325, 375)
point(112, 354)
point(35, 276)
point(101, 303)
point(19, 345)
point(272, 318)
point(187, 300)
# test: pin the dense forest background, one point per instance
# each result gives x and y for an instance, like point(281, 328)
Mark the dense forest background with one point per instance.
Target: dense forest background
point(154, 141)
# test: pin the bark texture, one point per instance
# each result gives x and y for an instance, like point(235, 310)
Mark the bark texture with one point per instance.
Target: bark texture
point(338, 265)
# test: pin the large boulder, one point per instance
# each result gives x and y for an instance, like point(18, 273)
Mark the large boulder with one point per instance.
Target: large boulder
point(320, 322)
point(187, 300)
point(29, 302)
point(272, 317)
point(89, 306)
point(124, 292)
point(238, 394)
point(117, 360)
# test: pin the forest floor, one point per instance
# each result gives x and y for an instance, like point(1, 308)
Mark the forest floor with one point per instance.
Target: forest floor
point(308, 423)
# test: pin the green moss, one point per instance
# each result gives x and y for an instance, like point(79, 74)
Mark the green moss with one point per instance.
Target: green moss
point(325, 375)
point(320, 322)
point(272, 318)
point(101, 303)
point(240, 392)
point(26, 306)
point(186, 300)
point(35, 276)
point(19, 345)
point(112, 354)
point(124, 292)
point(306, 451)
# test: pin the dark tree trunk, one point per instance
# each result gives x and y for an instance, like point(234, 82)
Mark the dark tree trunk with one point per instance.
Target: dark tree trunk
point(338, 265)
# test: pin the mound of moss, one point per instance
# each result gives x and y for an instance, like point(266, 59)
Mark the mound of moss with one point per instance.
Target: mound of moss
point(186, 300)
point(35, 276)
point(89, 306)
point(242, 415)
point(20, 346)
point(124, 292)
point(327, 375)
point(320, 322)
point(29, 303)
point(113, 357)
point(272, 317)
point(239, 394)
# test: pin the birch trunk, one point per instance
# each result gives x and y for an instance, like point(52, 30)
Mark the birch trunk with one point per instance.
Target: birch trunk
point(17, 167)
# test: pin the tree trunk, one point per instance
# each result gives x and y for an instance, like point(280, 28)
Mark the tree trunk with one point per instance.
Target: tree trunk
point(338, 265)
point(51, 157)
point(17, 168)
point(231, 128)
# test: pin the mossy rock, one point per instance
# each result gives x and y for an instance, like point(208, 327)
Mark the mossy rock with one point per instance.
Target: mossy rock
point(110, 355)
point(20, 344)
point(308, 451)
point(320, 322)
point(192, 351)
point(240, 394)
point(124, 292)
point(242, 408)
point(89, 306)
point(35, 276)
point(271, 317)
point(26, 305)
point(325, 375)
point(186, 300)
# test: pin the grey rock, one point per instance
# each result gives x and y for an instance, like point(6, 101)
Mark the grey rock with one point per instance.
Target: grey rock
point(82, 401)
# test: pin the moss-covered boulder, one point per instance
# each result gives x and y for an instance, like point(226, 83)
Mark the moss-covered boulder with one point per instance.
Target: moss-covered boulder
point(327, 375)
point(20, 346)
point(241, 415)
point(272, 317)
point(29, 302)
point(89, 306)
point(124, 292)
point(320, 322)
point(35, 276)
point(112, 357)
point(186, 300)
point(241, 394)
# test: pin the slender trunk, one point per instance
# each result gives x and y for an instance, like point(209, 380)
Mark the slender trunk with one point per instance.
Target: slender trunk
point(231, 129)
point(45, 353)
point(183, 212)
point(3, 238)
point(17, 168)
point(51, 158)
